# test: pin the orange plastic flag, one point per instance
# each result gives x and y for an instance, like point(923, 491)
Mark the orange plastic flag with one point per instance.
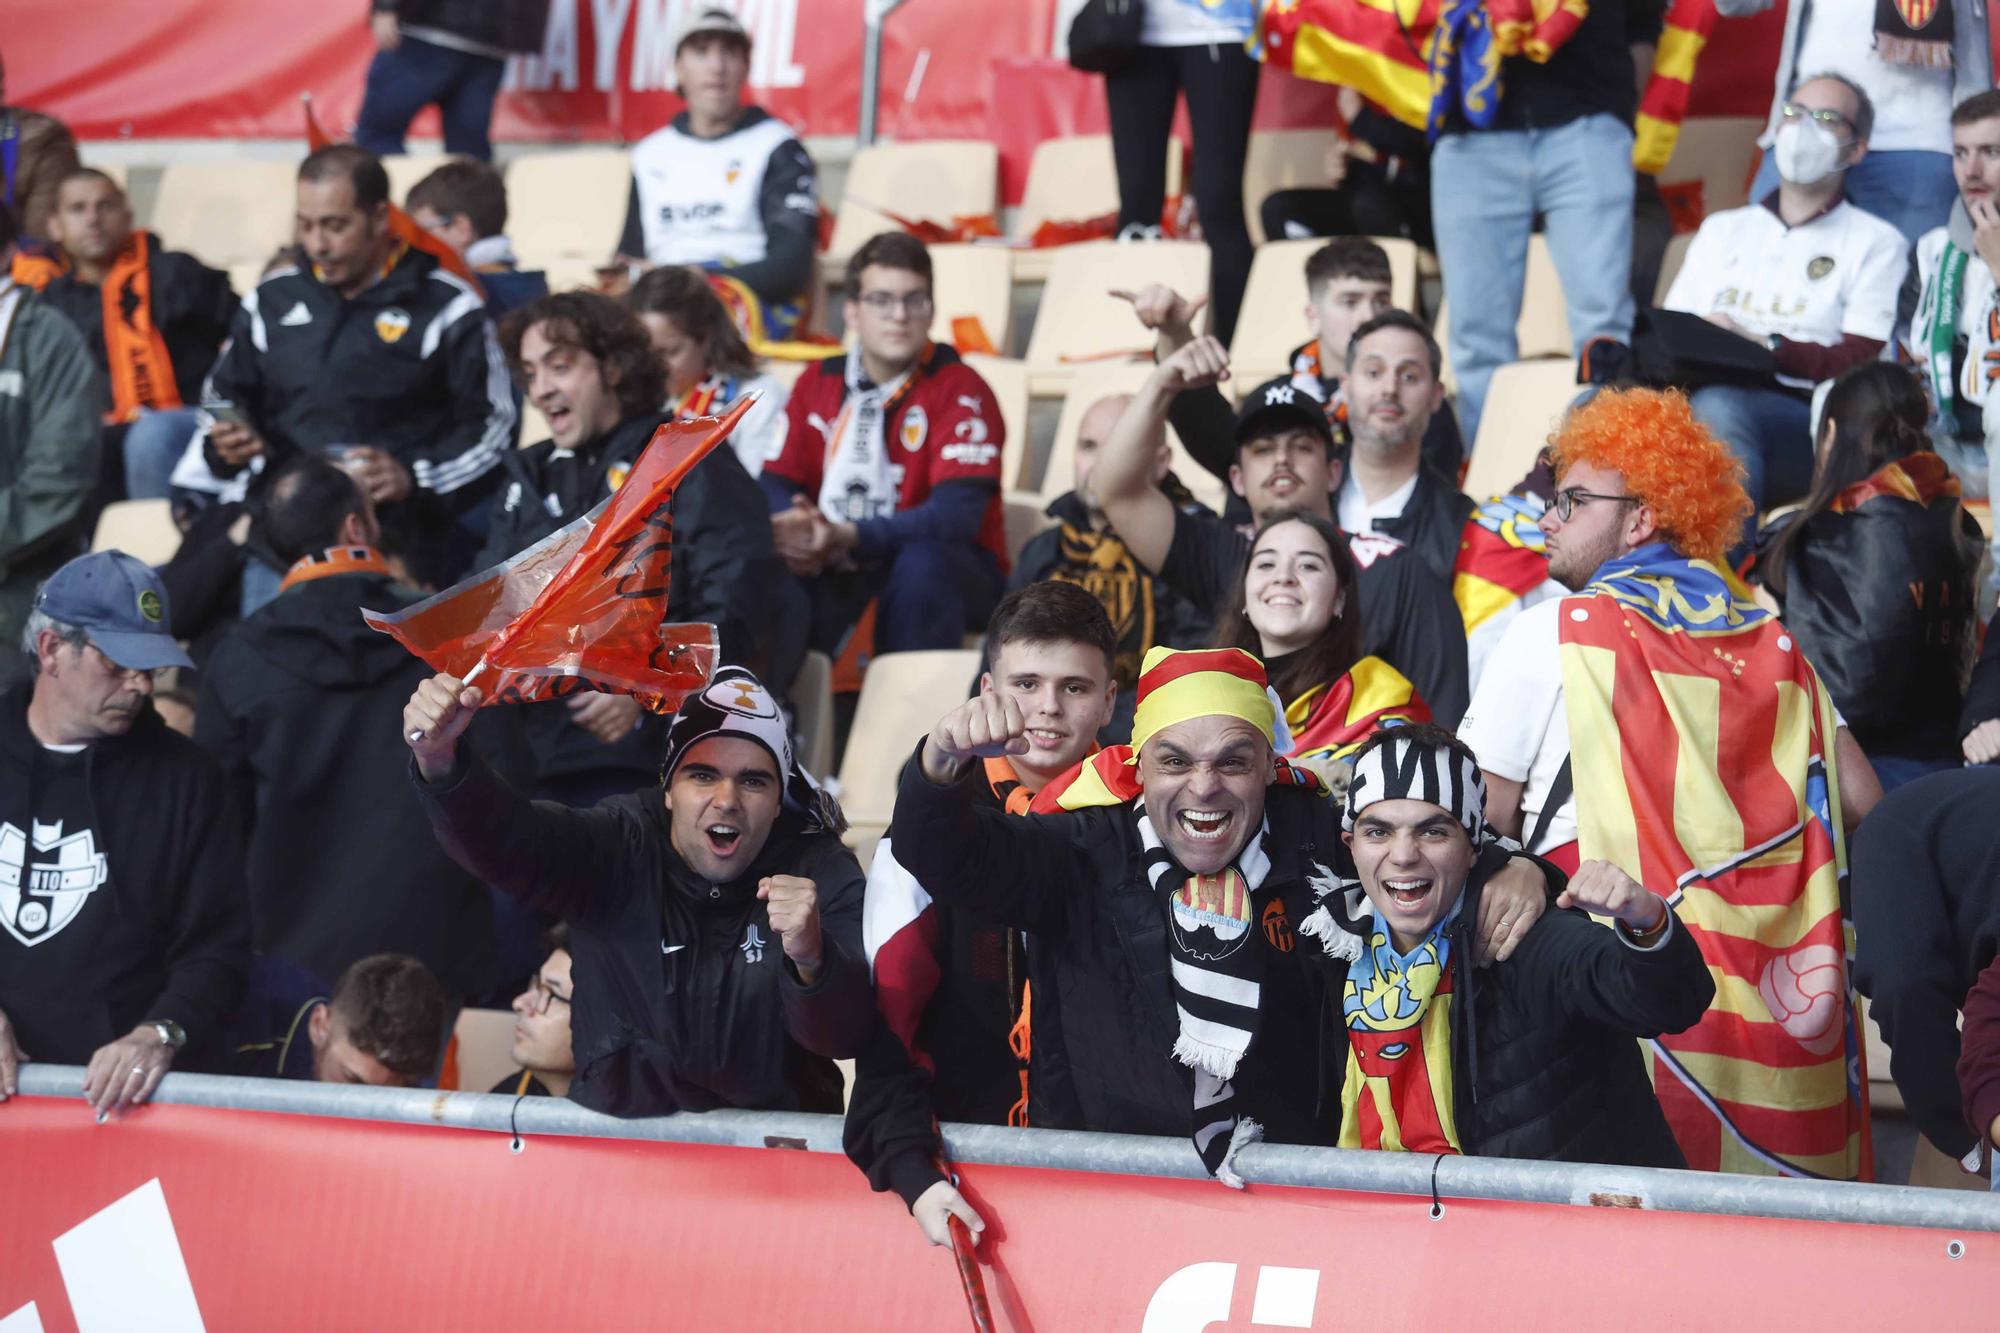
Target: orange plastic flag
point(401, 225)
point(585, 607)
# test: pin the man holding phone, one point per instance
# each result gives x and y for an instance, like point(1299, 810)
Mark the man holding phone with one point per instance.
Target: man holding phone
point(373, 354)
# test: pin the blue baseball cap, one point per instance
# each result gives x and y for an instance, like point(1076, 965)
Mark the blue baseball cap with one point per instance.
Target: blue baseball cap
point(121, 602)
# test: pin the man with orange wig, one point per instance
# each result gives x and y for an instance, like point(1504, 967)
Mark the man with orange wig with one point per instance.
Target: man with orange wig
point(1660, 720)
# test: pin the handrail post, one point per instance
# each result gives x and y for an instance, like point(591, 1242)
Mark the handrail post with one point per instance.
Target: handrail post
point(873, 13)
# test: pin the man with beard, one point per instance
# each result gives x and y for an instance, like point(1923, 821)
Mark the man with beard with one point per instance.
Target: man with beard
point(1164, 887)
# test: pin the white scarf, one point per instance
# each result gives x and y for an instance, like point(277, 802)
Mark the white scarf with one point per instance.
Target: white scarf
point(860, 480)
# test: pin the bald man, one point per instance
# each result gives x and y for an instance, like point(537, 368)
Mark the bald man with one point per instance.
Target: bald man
point(1082, 549)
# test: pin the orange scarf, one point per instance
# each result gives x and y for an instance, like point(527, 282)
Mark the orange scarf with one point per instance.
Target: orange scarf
point(334, 560)
point(142, 373)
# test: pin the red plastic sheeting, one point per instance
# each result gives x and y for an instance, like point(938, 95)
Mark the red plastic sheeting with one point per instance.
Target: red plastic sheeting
point(288, 1221)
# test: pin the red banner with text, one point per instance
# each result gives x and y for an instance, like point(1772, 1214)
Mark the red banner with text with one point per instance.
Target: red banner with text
point(181, 1218)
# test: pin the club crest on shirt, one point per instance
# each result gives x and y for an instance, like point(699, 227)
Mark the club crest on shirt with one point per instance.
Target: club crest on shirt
point(45, 879)
point(1819, 267)
point(916, 425)
point(392, 324)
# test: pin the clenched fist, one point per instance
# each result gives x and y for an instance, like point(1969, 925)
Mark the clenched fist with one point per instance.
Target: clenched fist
point(1203, 362)
point(983, 727)
point(433, 720)
point(1602, 888)
point(792, 904)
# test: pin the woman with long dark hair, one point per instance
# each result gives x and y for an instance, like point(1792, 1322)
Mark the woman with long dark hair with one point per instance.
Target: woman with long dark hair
point(1296, 609)
point(709, 366)
point(1874, 573)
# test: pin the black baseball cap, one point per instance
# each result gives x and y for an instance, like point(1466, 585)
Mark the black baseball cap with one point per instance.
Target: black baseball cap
point(120, 601)
point(1277, 405)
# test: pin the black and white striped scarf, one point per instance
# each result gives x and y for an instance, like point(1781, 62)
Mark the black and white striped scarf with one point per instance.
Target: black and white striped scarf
point(1217, 969)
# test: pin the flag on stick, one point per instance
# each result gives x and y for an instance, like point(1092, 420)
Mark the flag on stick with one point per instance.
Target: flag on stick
point(585, 607)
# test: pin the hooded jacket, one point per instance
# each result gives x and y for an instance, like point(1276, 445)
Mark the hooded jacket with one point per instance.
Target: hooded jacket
point(302, 705)
point(684, 998)
point(723, 571)
point(164, 936)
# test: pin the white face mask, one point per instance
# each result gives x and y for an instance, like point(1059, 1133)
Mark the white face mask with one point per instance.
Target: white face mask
point(1807, 152)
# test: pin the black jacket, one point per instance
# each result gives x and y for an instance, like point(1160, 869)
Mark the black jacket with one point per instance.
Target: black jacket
point(724, 569)
point(409, 365)
point(1076, 883)
point(509, 25)
point(1882, 600)
point(1432, 524)
point(166, 935)
point(192, 308)
point(302, 704)
point(1926, 877)
point(684, 998)
point(1543, 1061)
point(1982, 692)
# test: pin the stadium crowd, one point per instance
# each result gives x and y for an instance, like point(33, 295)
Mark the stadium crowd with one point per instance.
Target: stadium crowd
point(1359, 812)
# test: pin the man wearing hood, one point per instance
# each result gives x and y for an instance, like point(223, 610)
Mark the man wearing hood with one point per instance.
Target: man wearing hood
point(714, 920)
point(298, 703)
point(1950, 315)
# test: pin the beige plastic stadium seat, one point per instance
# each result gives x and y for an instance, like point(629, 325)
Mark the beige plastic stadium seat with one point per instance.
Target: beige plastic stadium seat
point(406, 169)
point(1719, 151)
point(902, 697)
point(1008, 379)
point(1282, 160)
point(243, 278)
point(931, 180)
point(143, 529)
point(975, 281)
point(227, 212)
point(1542, 330)
point(567, 205)
point(812, 701)
point(485, 1047)
point(1080, 321)
point(1272, 321)
point(1072, 180)
point(1025, 518)
point(785, 372)
point(1101, 381)
point(565, 275)
point(1523, 403)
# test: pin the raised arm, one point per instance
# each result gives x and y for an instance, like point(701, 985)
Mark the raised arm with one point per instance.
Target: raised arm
point(1139, 512)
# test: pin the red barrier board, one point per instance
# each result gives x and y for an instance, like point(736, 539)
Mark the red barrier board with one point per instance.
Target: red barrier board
point(298, 1222)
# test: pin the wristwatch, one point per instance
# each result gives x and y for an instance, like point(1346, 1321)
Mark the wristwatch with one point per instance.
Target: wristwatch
point(172, 1035)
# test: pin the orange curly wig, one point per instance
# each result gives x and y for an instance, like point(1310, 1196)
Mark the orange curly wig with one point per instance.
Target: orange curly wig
point(1692, 482)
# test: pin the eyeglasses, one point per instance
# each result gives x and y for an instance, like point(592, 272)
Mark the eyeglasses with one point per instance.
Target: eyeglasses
point(915, 304)
point(1791, 111)
point(545, 995)
point(1566, 500)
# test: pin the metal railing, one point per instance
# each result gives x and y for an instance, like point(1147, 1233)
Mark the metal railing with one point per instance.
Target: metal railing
point(873, 14)
point(1422, 1177)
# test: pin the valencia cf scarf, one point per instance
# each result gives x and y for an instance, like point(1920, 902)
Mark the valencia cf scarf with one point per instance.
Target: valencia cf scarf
point(1914, 32)
point(701, 400)
point(142, 373)
point(859, 480)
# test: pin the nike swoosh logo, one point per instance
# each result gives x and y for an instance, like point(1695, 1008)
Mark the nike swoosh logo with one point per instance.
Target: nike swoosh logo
point(666, 948)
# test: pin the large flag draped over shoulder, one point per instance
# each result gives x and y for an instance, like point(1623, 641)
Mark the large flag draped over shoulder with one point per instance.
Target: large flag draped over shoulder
point(1703, 750)
point(584, 607)
point(1502, 569)
point(1331, 722)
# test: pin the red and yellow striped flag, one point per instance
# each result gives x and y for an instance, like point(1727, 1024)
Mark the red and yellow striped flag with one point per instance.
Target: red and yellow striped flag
point(1702, 750)
point(1665, 103)
point(1379, 48)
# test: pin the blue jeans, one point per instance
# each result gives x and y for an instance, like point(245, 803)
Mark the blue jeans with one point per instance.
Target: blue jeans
point(1893, 770)
point(153, 444)
point(404, 81)
point(1488, 188)
point(1910, 190)
point(1770, 432)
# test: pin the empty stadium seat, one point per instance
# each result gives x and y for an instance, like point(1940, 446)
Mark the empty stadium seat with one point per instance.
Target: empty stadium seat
point(1100, 381)
point(1080, 322)
point(227, 213)
point(406, 169)
point(143, 529)
point(567, 205)
point(1719, 151)
point(1542, 330)
point(931, 180)
point(902, 697)
point(1523, 403)
point(1025, 518)
point(1282, 160)
point(1008, 379)
point(243, 278)
point(1072, 180)
point(1272, 321)
point(976, 282)
point(565, 275)
point(812, 707)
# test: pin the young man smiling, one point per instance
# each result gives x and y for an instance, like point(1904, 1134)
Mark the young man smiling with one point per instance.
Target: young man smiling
point(1532, 1057)
point(953, 986)
point(715, 920)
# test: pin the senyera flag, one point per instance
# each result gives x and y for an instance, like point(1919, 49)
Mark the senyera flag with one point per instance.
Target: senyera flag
point(401, 225)
point(586, 606)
